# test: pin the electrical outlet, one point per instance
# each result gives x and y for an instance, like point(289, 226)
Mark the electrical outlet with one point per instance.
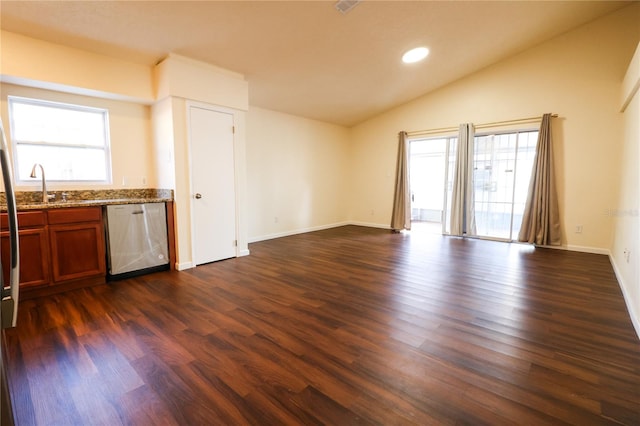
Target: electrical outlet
point(275, 219)
point(373, 212)
point(578, 229)
point(627, 254)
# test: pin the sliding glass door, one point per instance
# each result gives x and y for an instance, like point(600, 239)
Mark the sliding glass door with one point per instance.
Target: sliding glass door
point(427, 167)
point(502, 169)
point(428, 177)
point(502, 164)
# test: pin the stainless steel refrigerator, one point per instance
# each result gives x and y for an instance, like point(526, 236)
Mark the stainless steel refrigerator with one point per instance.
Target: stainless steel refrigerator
point(9, 308)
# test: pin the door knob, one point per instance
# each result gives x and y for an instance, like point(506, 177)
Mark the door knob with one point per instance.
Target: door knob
point(198, 195)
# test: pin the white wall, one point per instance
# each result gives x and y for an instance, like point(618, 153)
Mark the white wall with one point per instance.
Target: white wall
point(626, 244)
point(297, 174)
point(576, 75)
point(130, 133)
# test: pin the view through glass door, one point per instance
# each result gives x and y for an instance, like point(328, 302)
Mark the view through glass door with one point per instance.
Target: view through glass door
point(427, 179)
point(502, 170)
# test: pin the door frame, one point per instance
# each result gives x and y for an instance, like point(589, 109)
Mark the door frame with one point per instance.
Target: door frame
point(219, 109)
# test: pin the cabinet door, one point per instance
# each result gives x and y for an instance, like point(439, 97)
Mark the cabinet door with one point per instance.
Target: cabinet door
point(34, 257)
point(77, 251)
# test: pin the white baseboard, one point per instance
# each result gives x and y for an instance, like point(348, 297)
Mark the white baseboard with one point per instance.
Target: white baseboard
point(184, 265)
point(585, 249)
point(370, 225)
point(635, 316)
point(296, 232)
point(582, 249)
point(244, 252)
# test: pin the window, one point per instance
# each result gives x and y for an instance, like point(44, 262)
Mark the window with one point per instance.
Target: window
point(70, 141)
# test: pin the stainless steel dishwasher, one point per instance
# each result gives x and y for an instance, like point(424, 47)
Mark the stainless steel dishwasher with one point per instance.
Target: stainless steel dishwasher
point(136, 239)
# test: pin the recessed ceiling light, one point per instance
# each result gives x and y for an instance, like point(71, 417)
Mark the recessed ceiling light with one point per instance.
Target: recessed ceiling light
point(415, 55)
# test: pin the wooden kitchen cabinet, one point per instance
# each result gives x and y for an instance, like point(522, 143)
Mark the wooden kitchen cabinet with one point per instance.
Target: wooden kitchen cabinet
point(77, 243)
point(60, 249)
point(34, 248)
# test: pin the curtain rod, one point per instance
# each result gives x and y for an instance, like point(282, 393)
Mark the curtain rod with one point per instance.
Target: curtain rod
point(477, 126)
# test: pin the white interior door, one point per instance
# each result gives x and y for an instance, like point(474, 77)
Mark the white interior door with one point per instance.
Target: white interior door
point(213, 185)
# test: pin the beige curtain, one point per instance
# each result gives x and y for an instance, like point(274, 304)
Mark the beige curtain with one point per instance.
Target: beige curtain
point(541, 219)
point(401, 215)
point(462, 217)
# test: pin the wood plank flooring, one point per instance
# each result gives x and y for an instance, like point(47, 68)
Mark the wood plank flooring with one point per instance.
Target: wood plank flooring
point(345, 326)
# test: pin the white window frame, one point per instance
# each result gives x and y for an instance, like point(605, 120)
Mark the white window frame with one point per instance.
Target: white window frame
point(106, 148)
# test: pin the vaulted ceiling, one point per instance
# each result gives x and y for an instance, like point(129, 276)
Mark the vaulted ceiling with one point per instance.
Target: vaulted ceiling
point(305, 57)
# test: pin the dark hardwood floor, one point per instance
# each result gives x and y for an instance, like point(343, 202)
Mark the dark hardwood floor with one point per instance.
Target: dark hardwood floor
point(345, 326)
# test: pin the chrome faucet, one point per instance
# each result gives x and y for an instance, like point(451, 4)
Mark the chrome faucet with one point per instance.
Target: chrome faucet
point(45, 197)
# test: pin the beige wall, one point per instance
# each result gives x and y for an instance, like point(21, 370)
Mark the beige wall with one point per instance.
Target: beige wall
point(85, 78)
point(297, 174)
point(304, 175)
point(23, 59)
point(624, 252)
point(182, 81)
point(182, 189)
point(148, 148)
point(130, 134)
point(190, 79)
point(163, 148)
point(576, 75)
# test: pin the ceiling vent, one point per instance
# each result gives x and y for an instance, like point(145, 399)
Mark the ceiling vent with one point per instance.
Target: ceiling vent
point(346, 5)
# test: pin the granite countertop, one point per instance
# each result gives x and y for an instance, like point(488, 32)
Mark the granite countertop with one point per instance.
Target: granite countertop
point(31, 200)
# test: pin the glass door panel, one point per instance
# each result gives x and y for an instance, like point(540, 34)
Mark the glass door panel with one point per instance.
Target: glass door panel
point(527, 142)
point(428, 180)
point(502, 168)
point(494, 162)
point(451, 167)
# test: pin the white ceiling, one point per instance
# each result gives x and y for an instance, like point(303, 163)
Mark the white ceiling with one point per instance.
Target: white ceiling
point(304, 57)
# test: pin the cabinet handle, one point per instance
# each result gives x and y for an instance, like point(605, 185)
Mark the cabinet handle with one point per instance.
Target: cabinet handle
point(198, 196)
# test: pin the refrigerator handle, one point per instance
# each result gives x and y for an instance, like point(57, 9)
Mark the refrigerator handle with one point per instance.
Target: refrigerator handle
point(10, 294)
